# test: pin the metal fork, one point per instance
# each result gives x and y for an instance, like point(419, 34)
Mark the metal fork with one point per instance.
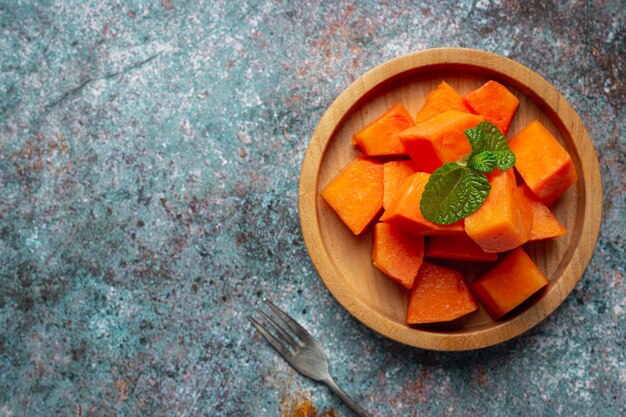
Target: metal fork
point(300, 350)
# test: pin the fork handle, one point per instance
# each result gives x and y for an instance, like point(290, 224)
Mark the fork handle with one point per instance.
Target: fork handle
point(330, 383)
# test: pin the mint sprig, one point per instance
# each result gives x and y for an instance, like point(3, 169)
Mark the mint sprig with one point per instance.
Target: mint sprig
point(457, 189)
point(487, 137)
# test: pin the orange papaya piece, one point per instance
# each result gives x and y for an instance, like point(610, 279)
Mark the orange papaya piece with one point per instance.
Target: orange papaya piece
point(508, 284)
point(404, 211)
point(545, 223)
point(380, 137)
point(394, 174)
point(397, 254)
point(438, 140)
point(503, 222)
point(460, 247)
point(356, 193)
point(542, 162)
point(440, 100)
point(439, 294)
point(495, 102)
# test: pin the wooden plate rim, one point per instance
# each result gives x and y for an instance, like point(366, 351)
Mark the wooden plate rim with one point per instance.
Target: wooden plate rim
point(551, 102)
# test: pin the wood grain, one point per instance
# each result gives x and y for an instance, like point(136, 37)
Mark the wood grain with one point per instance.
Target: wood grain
point(343, 260)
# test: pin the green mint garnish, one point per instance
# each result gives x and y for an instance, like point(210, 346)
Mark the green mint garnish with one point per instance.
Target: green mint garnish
point(485, 161)
point(452, 193)
point(457, 189)
point(487, 137)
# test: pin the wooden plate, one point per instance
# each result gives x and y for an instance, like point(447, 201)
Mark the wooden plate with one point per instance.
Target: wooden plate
point(343, 260)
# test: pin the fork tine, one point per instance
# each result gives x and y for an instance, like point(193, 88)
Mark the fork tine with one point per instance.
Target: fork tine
point(293, 325)
point(276, 344)
point(288, 337)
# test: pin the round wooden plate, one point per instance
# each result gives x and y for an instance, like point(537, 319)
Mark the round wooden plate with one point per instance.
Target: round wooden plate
point(343, 260)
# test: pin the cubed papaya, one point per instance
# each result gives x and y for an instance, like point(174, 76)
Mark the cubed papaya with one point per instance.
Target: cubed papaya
point(356, 193)
point(380, 138)
point(542, 162)
point(440, 100)
point(495, 102)
point(508, 284)
point(394, 174)
point(503, 222)
point(545, 223)
point(460, 247)
point(439, 140)
point(397, 254)
point(439, 294)
point(404, 211)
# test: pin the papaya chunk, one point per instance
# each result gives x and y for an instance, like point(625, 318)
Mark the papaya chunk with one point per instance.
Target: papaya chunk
point(495, 102)
point(439, 140)
point(394, 174)
point(440, 100)
point(356, 193)
point(460, 247)
point(508, 284)
point(404, 211)
point(545, 223)
point(380, 138)
point(503, 222)
point(439, 294)
point(397, 254)
point(542, 162)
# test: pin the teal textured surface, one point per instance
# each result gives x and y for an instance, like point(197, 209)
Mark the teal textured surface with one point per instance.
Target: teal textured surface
point(149, 162)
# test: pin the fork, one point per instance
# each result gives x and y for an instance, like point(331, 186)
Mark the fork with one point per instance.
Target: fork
point(300, 349)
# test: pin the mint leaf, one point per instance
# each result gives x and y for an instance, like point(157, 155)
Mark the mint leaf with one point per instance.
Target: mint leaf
point(487, 137)
point(506, 159)
point(452, 193)
point(485, 161)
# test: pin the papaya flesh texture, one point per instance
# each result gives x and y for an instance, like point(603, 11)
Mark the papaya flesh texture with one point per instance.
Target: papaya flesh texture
point(397, 254)
point(380, 138)
point(356, 193)
point(404, 211)
point(460, 247)
point(394, 174)
point(545, 223)
point(503, 222)
point(508, 284)
point(439, 294)
point(495, 102)
point(542, 162)
point(440, 100)
point(439, 140)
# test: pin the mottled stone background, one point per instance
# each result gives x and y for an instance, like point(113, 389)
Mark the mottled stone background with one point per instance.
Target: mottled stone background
point(149, 162)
